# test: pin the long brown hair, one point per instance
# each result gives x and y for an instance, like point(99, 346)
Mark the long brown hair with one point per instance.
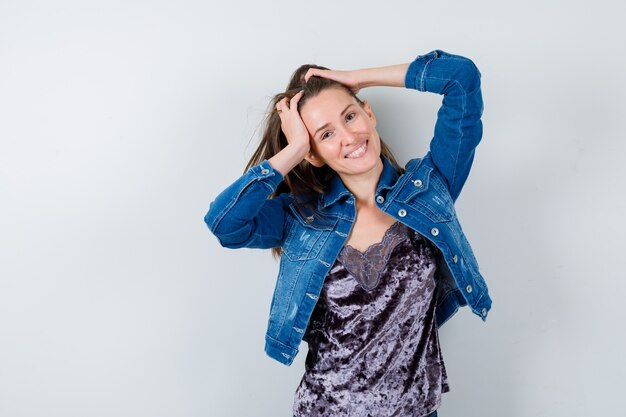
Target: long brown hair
point(305, 181)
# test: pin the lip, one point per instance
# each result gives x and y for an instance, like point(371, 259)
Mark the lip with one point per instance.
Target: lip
point(366, 143)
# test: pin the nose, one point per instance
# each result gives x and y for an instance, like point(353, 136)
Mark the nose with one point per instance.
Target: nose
point(348, 137)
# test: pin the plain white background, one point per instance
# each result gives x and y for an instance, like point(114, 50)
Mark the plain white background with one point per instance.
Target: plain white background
point(121, 120)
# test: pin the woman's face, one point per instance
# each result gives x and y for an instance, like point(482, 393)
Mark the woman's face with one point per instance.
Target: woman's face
point(343, 134)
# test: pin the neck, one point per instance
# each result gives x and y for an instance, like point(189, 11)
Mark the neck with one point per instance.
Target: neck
point(363, 186)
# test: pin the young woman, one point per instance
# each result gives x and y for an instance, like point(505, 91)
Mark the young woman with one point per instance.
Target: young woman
point(372, 256)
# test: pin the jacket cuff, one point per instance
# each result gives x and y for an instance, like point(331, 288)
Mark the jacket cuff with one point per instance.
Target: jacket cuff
point(279, 351)
point(264, 171)
point(414, 78)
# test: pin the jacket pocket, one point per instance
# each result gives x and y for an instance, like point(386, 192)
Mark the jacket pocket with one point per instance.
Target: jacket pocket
point(427, 193)
point(306, 233)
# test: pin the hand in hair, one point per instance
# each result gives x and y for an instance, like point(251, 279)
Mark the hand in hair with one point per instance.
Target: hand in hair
point(291, 123)
point(389, 76)
point(348, 78)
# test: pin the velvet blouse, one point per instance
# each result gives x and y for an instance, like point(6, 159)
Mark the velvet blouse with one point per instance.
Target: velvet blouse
point(373, 341)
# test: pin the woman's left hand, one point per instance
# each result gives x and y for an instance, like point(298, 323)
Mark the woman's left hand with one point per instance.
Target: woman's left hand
point(348, 78)
point(355, 80)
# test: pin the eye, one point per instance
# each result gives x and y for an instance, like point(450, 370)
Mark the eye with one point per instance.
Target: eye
point(350, 116)
point(325, 135)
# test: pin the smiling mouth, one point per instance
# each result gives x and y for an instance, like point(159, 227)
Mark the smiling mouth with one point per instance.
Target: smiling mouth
point(358, 152)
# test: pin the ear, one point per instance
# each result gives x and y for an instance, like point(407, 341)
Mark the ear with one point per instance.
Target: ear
point(314, 160)
point(369, 111)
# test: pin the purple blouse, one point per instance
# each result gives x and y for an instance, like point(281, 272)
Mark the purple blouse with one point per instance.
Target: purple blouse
point(373, 342)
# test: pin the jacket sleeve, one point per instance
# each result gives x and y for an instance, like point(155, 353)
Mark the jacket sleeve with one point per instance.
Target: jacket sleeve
point(458, 129)
point(243, 216)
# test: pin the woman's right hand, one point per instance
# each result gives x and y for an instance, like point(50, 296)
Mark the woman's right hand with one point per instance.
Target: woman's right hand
point(291, 123)
point(296, 133)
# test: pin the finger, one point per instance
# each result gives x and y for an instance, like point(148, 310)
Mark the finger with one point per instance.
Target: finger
point(314, 72)
point(281, 105)
point(293, 103)
point(311, 72)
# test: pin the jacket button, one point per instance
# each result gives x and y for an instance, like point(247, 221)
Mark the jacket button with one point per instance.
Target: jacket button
point(455, 259)
point(265, 171)
point(417, 183)
point(468, 288)
point(484, 311)
point(309, 219)
point(434, 231)
point(402, 212)
point(380, 199)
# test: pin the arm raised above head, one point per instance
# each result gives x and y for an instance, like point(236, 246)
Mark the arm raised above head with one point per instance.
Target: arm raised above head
point(389, 76)
point(243, 216)
point(459, 128)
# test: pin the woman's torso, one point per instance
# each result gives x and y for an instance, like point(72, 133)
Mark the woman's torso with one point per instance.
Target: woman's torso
point(373, 343)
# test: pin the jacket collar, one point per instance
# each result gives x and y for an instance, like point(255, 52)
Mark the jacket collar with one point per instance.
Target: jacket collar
point(337, 189)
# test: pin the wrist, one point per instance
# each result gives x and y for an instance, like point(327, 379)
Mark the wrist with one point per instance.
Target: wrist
point(297, 150)
point(290, 156)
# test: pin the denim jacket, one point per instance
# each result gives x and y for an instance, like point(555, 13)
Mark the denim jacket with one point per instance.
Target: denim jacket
point(422, 198)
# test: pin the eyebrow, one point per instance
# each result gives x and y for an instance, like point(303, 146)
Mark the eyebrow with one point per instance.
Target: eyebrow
point(326, 125)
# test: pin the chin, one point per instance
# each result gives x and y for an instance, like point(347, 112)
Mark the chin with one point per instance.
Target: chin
point(363, 166)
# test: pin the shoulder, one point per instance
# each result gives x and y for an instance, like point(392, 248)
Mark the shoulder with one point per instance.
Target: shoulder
point(424, 166)
point(421, 176)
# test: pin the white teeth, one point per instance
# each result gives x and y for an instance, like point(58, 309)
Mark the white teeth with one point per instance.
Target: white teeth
point(358, 152)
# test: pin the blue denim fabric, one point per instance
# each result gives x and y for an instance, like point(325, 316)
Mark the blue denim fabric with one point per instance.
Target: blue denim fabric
point(422, 198)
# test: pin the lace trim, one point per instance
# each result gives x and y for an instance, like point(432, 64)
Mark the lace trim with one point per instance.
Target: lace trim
point(368, 266)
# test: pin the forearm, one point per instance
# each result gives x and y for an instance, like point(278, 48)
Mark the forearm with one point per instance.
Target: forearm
point(289, 157)
point(389, 76)
point(243, 215)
